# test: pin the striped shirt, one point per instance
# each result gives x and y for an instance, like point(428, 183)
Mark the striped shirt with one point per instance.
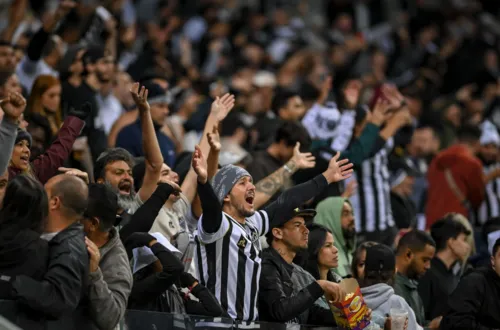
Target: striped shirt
point(491, 205)
point(372, 202)
point(228, 263)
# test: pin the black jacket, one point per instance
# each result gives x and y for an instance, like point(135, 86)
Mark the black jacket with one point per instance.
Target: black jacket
point(475, 304)
point(58, 294)
point(22, 252)
point(280, 302)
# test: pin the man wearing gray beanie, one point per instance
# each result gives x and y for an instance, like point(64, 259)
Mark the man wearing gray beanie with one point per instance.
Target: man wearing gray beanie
point(228, 246)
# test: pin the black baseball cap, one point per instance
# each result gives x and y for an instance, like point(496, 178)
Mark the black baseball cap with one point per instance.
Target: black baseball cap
point(379, 258)
point(307, 214)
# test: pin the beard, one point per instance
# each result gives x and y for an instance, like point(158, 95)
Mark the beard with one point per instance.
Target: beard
point(125, 202)
point(349, 233)
point(243, 212)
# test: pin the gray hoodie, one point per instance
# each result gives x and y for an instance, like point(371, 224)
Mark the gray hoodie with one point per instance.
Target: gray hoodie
point(381, 298)
point(110, 286)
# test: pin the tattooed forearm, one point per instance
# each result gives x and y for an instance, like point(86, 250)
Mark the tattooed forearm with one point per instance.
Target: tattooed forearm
point(271, 184)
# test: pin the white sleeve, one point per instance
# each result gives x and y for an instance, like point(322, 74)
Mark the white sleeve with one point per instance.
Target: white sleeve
point(260, 220)
point(208, 238)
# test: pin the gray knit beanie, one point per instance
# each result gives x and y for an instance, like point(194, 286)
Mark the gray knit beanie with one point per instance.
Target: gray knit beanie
point(226, 178)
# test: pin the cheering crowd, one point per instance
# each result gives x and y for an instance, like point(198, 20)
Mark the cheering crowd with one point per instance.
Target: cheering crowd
point(239, 159)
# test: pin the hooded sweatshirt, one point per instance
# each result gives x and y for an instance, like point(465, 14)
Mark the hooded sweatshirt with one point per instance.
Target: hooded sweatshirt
point(467, 173)
point(380, 298)
point(329, 213)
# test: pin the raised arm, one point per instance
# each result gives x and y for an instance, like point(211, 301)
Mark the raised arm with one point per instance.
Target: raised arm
point(298, 195)
point(152, 153)
point(364, 146)
point(47, 165)
point(270, 185)
point(212, 164)
point(142, 220)
point(212, 209)
point(218, 112)
point(40, 38)
point(13, 106)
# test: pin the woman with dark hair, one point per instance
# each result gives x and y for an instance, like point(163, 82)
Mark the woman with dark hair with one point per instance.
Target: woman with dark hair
point(317, 261)
point(358, 262)
point(22, 216)
point(321, 255)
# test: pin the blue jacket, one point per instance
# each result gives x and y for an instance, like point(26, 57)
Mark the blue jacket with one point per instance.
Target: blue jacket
point(130, 139)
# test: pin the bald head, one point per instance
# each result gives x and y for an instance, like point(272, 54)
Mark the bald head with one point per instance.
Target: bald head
point(68, 195)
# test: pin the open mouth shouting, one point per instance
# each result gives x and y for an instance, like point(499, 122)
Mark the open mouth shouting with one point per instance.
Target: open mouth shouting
point(125, 187)
point(25, 159)
point(249, 197)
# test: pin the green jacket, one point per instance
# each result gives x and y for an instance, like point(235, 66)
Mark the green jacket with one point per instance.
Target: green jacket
point(329, 212)
point(359, 149)
point(408, 289)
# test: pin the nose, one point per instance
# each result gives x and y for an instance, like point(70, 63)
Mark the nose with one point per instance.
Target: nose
point(251, 186)
point(306, 230)
point(176, 177)
point(126, 175)
point(26, 149)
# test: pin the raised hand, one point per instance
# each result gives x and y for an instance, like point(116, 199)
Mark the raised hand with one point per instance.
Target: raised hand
point(350, 189)
point(140, 97)
point(214, 139)
point(13, 106)
point(352, 92)
point(303, 159)
point(83, 113)
point(200, 166)
point(393, 96)
point(75, 172)
point(94, 254)
point(221, 106)
point(380, 112)
point(338, 170)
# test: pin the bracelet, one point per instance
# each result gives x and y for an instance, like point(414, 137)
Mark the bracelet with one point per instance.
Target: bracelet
point(288, 169)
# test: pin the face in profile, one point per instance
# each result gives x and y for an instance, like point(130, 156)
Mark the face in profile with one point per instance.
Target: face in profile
point(421, 262)
point(328, 256)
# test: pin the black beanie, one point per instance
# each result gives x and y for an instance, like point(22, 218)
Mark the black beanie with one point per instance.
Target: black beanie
point(23, 135)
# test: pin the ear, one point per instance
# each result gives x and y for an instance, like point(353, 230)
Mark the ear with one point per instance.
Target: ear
point(54, 203)
point(100, 180)
point(409, 254)
point(277, 233)
point(492, 261)
point(95, 223)
point(226, 199)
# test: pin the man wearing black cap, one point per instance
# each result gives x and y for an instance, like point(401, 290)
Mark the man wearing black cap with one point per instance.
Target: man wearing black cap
point(376, 285)
point(129, 137)
point(279, 301)
point(110, 278)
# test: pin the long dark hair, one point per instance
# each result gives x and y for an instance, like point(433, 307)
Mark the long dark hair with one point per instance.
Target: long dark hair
point(357, 257)
point(25, 205)
point(309, 259)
